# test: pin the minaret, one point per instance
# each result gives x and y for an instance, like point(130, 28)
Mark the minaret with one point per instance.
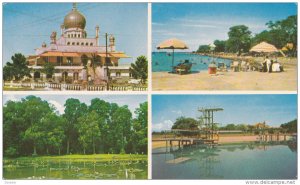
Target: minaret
point(62, 29)
point(97, 35)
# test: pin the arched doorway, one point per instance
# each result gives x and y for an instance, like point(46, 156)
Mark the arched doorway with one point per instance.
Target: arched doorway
point(75, 76)
point(64, 76)
point(36, 75)
point(118, 74)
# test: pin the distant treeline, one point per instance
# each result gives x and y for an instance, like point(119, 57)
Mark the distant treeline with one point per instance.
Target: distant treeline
point(240, 40)
point(33, 126)
point(185, 123)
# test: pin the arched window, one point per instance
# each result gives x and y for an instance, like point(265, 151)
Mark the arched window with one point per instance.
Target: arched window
point(78, 43)
point(86, 44)
point(73, 43)
point(91, 44)
point(68, 43)
point(72, 35)
point(118, 74)
point(69, 35)
point(82, 43)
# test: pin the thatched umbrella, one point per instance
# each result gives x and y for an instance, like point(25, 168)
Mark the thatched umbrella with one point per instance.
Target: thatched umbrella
point(172, 44)
point(264, 47)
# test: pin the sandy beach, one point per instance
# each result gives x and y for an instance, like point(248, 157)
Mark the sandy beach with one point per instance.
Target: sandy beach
point(251, 80)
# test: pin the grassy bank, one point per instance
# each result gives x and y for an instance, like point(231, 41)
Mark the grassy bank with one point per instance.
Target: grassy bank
point(92, 157)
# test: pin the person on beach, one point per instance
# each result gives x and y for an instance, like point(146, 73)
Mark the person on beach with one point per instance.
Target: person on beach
point(267, 64)
point(270, 70)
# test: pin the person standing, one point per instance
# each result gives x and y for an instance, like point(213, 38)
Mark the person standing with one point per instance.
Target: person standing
point(268, 63)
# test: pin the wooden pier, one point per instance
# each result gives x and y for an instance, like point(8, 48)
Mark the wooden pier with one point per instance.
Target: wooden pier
point(181, 142)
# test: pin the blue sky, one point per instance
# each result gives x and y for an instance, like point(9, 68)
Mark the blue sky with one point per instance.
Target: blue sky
point(238, 109)
point(27, 25)
point(133, 101)
point(202, 23)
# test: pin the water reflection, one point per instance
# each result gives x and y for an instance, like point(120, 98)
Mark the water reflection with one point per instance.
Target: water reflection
point(235, 161)
point(58, 169)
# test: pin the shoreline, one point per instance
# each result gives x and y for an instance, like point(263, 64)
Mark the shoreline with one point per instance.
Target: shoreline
point(223, 140)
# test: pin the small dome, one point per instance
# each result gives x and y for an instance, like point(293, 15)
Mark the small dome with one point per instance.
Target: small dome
point(74, 19)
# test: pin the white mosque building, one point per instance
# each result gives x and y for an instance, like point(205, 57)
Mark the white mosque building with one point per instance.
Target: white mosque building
point(78, 59)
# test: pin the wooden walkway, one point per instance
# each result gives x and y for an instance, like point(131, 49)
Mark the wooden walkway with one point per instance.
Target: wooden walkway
point(187, 141)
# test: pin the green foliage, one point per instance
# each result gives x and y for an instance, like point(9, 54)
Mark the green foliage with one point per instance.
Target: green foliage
point(139, 139)
point(239, 39)
point(290, 127)
point(88, 130)
point(17, 69)
point(11, 152)
point(185, 123)
point(48, 69)
point(283, 32)
point(73, 110)
point(220, 45)
point(203, 49)
point(279, 33)
point(139, 69)
point(32, 126)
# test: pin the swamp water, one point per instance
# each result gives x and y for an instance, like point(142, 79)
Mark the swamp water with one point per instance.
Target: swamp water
point(242, 161)
point(62, 169)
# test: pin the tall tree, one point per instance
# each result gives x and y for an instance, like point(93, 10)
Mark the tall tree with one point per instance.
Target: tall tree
point(284, 31)
point(102, 108)
point(73, 110)
point(239, 39)
point(140, 129)
point(89, 131)
point(35, 110)
point(220, 45)
point(139, 69)
point(17, 69)
point(120, 128)
point(53, 133)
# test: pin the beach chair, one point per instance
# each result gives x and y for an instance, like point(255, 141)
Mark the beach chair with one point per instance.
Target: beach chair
point(183, 68)
point(222, 66)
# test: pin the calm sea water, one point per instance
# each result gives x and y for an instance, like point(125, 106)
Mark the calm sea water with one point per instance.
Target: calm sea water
point(244, 161)
point(55, 169)
point(162, 61)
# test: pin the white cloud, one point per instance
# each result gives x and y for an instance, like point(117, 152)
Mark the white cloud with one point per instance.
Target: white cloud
point(60, 108)
point(165, 125)
point(179, 112)
point(200, 25)
point(197, 31)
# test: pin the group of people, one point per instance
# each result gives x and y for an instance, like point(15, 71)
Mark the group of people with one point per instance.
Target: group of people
point(270, 66)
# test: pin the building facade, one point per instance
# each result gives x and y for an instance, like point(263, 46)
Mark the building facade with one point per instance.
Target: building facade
point(76, 57)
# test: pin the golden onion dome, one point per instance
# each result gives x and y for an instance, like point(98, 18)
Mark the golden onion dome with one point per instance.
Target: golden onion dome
point(74, 19)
